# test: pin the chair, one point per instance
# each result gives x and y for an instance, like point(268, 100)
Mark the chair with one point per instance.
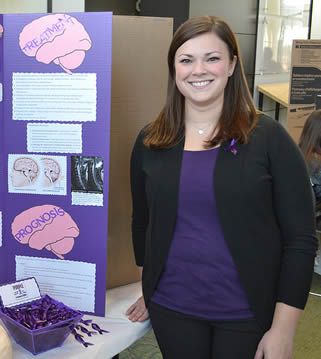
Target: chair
point(317, 210)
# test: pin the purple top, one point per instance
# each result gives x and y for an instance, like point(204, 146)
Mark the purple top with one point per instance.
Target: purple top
point(200, 277)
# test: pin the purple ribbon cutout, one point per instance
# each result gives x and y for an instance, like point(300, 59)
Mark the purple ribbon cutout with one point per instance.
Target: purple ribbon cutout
point(231, 147)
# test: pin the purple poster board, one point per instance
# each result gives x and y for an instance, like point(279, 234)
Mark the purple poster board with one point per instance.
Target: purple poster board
point(56, 76)
point(3, 262)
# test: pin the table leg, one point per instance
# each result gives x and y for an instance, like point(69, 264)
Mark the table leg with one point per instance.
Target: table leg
point(260, 101)
point(277, 111)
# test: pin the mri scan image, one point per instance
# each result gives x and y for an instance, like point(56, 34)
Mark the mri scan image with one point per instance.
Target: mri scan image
point(87, 174)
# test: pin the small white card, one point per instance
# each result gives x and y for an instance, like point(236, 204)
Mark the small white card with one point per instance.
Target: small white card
point(19, 292)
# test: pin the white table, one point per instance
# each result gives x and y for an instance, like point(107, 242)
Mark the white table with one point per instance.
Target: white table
point(122, 331)
point(279, 93)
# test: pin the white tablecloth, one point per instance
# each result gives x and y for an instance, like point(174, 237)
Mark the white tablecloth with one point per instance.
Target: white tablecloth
point(122, 331)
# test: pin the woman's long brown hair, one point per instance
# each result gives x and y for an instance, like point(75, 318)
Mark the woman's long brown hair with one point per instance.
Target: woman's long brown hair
point(310, 139)
point(239, 115)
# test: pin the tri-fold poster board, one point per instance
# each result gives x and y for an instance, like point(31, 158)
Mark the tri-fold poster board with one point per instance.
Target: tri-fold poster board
point(55, 85)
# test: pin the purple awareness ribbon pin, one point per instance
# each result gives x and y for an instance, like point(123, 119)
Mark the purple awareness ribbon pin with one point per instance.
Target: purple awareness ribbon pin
point(231, 147)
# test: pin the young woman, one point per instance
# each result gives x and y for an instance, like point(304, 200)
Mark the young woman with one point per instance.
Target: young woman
point(310, 144)
point(227, 250)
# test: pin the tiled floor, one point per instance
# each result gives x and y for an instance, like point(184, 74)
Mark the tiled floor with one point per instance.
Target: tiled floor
point(145, 348)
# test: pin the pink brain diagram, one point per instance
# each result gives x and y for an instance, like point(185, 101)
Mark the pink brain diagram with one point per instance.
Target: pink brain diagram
point(51, 171)
point(46, 226)
point(26, 172)
point(57, 38)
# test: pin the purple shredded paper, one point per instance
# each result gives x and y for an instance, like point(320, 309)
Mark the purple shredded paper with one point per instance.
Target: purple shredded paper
point(40, 313)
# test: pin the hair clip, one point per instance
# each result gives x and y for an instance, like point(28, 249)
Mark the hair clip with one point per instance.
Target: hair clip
point(231, 147)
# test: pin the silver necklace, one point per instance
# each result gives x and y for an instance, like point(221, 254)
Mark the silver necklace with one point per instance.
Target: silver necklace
point(200, 130)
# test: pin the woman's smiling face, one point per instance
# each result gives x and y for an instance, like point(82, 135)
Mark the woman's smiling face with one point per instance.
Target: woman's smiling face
point(202, 69)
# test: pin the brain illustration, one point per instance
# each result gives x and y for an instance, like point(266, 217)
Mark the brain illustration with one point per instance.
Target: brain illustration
point(57, 38)
point(46, 226)
point(51, 170)
point(28, 170)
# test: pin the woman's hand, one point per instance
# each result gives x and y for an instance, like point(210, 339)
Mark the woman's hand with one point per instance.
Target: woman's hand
point(275, 345)
point(138, 311)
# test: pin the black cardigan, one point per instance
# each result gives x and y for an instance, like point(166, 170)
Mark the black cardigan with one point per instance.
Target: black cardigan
point(264, 201)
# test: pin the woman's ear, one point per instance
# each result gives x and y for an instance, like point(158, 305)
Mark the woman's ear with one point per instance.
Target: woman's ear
point(232, 65)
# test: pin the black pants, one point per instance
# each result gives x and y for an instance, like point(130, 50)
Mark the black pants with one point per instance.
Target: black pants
point(186, 337)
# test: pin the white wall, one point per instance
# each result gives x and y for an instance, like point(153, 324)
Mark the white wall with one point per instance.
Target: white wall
point(68, 6)
point(316, 23)
point(118, 7)
point(23, 6)
point(240, 15)
point(40, 6)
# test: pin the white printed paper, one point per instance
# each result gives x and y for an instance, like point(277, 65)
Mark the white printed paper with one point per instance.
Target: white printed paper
point(87, 199)
point(54, 97)
point(37, 174)
point(54, 137)
point(70, 282)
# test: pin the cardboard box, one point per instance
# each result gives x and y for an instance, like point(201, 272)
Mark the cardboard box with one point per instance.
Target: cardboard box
point(305, 84)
